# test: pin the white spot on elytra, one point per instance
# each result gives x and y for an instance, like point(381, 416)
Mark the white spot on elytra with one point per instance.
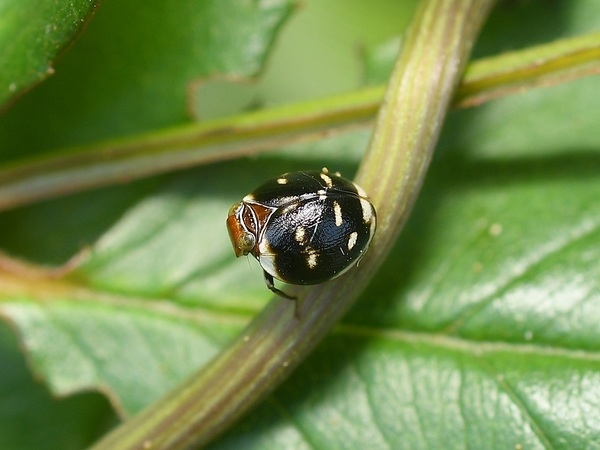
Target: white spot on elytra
point(361, 192)
point(322, 194)
point(337, 212)
point(300, 234)
point(367, 210)
point(281, 181)
point(311, 259)
point(352, 240)
point(327, 179)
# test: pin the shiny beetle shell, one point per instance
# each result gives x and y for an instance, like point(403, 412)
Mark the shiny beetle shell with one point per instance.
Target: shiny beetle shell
point(303, 227)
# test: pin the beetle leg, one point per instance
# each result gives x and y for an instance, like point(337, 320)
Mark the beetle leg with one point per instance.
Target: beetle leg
point(271, 285)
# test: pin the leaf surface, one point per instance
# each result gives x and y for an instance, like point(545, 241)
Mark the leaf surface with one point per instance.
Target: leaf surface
point(480, 331)
point(136, 66)
point(32, 35)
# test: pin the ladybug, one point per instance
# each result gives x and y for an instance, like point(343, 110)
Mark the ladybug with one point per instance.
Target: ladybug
point(303, 227)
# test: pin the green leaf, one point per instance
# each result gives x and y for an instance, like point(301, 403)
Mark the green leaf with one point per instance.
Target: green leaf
point(64, 342)
point(33, 419)
point(400, 390)
point(136, 66)
point(32, 35)
point(480, 331)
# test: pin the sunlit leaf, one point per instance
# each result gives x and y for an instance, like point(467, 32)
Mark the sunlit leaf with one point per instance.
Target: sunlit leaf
point(480, 331)
point(32, 35)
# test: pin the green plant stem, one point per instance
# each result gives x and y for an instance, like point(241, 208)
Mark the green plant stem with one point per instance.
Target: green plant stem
point(437, 46)
point(518, 71)
point(139, 156)
point(166, 150)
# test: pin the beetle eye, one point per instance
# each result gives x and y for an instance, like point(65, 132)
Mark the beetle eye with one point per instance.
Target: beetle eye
point(246, 242)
